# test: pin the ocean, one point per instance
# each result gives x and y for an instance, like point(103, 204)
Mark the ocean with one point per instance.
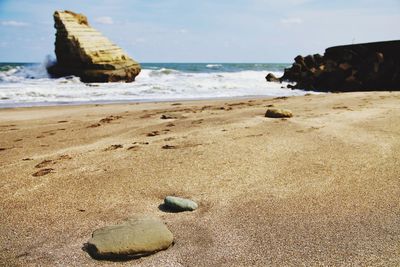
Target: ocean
point(28, 84)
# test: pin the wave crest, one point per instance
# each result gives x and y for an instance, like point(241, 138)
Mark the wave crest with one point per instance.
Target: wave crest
point(162, 72)
point(213, 66)
point(12, 74)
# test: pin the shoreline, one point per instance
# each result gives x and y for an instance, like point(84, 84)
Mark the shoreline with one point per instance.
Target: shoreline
point(154, 101)
point(320, 188)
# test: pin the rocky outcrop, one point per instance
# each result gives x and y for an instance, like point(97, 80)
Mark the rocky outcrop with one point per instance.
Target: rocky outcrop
point(84, 52)
point(272, 78)
point(357, 67)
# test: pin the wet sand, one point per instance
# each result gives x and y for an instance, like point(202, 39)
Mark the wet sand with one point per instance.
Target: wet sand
point(320, 188)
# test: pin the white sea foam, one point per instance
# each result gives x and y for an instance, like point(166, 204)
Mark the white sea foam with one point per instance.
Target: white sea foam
point(30, 85)
point(214, 66)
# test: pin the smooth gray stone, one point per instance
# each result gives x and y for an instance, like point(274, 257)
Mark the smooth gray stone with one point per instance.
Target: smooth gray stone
point(180, 204)
point(137, 237)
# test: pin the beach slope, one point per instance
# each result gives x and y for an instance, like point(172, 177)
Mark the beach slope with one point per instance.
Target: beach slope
point(320, 188)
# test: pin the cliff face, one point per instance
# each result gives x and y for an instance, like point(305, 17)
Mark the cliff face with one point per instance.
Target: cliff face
point(358, 67)
point(84, 52)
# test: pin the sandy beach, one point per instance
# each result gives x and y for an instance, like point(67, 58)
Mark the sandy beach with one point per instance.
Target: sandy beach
point(319, 189)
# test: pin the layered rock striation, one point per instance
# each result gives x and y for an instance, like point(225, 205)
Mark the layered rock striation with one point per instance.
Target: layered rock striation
point(358, 67)
point(84, 52)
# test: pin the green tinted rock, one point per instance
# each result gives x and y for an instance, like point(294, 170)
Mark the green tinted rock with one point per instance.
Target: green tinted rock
point(179, 204)
point(138, 236)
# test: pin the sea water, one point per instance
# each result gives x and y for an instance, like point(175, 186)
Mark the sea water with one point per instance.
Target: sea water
point(28, 84)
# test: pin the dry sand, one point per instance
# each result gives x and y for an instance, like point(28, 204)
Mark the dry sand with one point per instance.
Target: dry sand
point(321, 188)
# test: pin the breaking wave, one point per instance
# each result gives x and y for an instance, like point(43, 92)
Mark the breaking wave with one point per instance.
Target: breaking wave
point(29, 84)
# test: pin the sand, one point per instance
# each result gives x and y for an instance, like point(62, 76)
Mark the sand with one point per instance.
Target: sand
point(320, 188)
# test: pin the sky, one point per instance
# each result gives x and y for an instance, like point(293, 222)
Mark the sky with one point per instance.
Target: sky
point(202, 31)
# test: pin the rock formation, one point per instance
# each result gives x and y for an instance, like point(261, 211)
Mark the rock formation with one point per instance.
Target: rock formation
point(358, 67)
point(84, 52)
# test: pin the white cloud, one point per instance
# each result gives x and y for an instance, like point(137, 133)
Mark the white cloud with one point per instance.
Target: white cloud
point(104, 20)
point(14, 23)
point(291, 21)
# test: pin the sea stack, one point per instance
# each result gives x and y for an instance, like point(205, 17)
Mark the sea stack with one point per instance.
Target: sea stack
point(84, 52)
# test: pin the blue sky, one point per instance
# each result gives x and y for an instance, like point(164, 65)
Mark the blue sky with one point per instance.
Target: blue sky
point(202, 31)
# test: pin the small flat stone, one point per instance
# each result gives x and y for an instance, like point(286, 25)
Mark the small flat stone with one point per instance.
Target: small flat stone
point(278, 113)
point(179, 204)
point(137, 237)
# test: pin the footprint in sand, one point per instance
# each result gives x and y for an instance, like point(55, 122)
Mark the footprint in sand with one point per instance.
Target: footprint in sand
point(167, 117)
point(113, 147)
point(341, 107)
point(62, 157)
point(153, 133)
point(94, 125)
point(44, 163)
point(50, 132)
point(42, 172)
point(110, 119)
point(168, 147)
point(141, 143)
point(48, 162)
point(105, 120)
point(197, 121)
point(205, 107)
point(134, 148)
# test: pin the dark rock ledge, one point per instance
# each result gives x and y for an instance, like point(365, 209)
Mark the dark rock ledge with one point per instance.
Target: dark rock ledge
point(357, 67)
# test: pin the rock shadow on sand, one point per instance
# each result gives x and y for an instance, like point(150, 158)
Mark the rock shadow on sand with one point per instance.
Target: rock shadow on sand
point(93, 253)
point(164, 208)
